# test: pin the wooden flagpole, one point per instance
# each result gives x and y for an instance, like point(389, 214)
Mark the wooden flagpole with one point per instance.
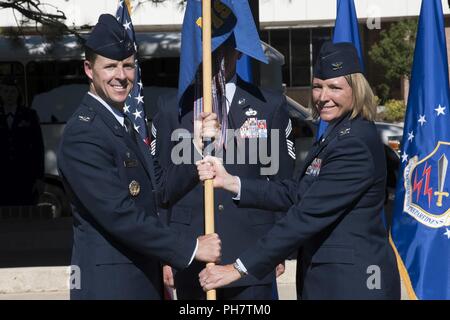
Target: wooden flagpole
point(207, 107)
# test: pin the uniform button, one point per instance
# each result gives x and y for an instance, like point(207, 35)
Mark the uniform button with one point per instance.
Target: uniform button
point(220, 207)
point(116, 127)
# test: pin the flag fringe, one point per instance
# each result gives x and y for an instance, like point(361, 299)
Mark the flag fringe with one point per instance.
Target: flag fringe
point(403, 271)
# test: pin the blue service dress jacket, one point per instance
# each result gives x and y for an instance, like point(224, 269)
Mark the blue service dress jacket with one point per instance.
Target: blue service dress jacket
point(333, 209)
point(237, 228)
point(114, 186)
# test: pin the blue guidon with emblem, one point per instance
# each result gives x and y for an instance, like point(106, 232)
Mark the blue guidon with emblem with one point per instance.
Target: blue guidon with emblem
point(421, 220)
point(427, 185)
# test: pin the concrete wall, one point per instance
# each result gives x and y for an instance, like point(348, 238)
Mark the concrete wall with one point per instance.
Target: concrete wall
point(169, 15)
point(303, 12)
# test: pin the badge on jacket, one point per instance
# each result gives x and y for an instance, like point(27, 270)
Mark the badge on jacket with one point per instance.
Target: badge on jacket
point(134, 188)
point(251, 113)
point(314, 167)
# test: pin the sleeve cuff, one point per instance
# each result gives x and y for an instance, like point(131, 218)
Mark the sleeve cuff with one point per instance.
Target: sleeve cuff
point(238, 196)
point(241, 265)
point(198, 150)
point(193, 254)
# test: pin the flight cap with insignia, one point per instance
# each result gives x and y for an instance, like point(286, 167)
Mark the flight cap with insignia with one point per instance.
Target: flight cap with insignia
point(110, 39)
point(336, 60)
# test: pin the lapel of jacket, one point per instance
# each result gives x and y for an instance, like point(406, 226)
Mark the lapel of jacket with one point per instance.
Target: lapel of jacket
point(17, 119)
point(3, 122)
point(186, 119)
point(119, 131)
point(245, 98)
point(3, 119)
point(242, 101)
point(148, 161)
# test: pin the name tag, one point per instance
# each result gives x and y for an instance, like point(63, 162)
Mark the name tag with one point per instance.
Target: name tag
point(130, 163)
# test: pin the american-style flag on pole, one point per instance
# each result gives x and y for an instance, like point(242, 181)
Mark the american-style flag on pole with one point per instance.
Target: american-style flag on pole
point(134, 105)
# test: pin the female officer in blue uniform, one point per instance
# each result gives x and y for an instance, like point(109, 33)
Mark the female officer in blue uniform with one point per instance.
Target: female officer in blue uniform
point(334, 202)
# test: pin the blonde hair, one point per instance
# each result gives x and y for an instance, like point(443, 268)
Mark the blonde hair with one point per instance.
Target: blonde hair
point(362, 97)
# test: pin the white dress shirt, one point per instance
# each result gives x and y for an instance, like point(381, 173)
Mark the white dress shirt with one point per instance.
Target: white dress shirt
point(116, 113)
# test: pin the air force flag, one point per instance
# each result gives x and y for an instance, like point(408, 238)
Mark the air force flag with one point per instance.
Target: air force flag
point(228, 17)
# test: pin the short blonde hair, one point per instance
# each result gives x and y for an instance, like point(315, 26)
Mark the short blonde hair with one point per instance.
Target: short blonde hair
point(363, 98)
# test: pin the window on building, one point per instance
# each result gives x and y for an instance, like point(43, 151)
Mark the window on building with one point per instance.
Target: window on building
point(43, 76)
point(13, 69)
point(300, 47)
point(300, 61)
point(279, 39)
point(161, 72)
point(264, 36)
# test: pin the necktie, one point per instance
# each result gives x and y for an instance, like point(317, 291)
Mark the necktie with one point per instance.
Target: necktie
point(130, 128)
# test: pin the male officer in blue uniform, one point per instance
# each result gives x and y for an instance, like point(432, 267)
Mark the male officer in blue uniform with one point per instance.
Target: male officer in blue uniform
point(253, 112)
point(114, 185)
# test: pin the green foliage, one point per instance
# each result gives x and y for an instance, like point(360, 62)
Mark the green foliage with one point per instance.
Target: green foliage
point(394, 111)
point(394, 53)
point(395, 50)
point(383, 90)
point(376, 100)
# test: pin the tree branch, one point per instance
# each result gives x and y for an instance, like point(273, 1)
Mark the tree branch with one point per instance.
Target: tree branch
point(32, 10)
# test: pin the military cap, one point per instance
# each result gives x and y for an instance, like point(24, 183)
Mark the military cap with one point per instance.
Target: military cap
point(335, 60)
point(110, 39)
